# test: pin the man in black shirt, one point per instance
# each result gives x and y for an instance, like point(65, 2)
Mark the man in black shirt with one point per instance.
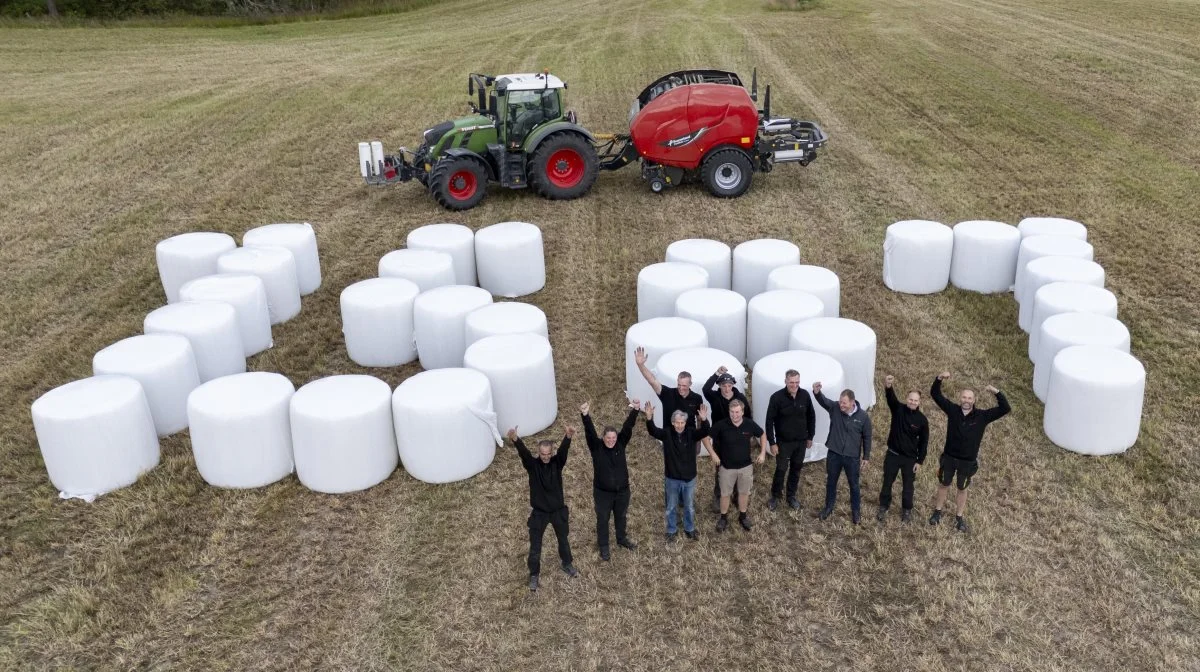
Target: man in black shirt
point(548, 507)
point(908, 441)
point(610, 475)
point(679, 463)
point(718, 401)
point(681, 398)
point(731, 443)
point(964, 433)
point(791, 423)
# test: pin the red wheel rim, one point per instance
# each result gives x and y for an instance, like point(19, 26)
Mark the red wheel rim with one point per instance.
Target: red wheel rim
point(462, 185)
point(565, 168)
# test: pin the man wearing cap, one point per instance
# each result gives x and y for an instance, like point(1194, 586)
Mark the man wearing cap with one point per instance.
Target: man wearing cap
point(791, 423)
point(610, 475)
point(731, 442)
point(964, 433)
point(718, 401)
point(546, 501)
point(907, 443)
point(849, 446)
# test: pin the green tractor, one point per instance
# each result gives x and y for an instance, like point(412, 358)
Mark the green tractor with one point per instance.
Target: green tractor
point(518, 135)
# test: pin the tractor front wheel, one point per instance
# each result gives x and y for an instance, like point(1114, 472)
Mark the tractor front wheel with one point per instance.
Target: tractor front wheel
point(727, 173)
point(458, 183)
point(564, 166)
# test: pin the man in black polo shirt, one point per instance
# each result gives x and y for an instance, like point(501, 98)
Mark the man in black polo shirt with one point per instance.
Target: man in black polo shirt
point(964, 433)
point(731, 443)
point(791, 423)
point(908, 441)
point(718, 401)
point(681, 398)
point(548, 507)
point(610, 475)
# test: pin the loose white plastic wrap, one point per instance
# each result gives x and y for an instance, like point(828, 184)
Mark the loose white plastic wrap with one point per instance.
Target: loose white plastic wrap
point(917, 254)
point(248, 296)
point(1045, 270)
point(1094, 403)
point(241, 429)
point(505, 317)
point(701, 363)
point(711, 255)
point(658, 285)
point(723, 314)
point(439, 323)
point(754, 260)
point(520, 368)
point(509, 259)
point(377, 321)
point(95, 434)
point(1066, 329)
point(297, 238)
point(445, 425)
point(429, 269)
point(189, 256)
point(277, 268)
point(771, 316)
point(165, 366)
point(454, 239)
point(1051, 226)
point(820, 282)
point(342, 433)
point(1067, 297)
point(985, 256)
point(658, 336)
point(813, 367)
point(1036, 247)
point(212, 329)
point(850, 342)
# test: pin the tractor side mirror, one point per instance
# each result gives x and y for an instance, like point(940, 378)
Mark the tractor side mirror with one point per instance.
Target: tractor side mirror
point(754, 85)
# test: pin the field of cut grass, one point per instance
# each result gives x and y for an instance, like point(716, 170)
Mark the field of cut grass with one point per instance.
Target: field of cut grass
point(112, 139)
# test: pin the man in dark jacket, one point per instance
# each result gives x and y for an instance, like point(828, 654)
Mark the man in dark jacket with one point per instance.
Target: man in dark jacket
point(908, 441)
point(679, 466)
point(791, 423)
point(849, 446)
point(610, 475)
point(546, 501)
point(718, 401)
point(964, 433)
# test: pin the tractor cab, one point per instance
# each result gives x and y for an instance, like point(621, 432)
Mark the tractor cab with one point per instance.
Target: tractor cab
point(518, 103)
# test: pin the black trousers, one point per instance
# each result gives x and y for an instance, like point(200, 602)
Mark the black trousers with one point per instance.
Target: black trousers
point(538, 520)
point(893, 464)
point(614, 504)
point(788, 463)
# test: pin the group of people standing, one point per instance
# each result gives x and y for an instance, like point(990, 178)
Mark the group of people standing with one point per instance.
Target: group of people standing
point(724, 430)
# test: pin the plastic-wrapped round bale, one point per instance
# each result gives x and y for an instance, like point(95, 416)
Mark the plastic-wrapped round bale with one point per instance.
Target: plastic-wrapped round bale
point(820, 282)
point(1094, 403)
point(248, 296)
point(212, 329)
point(1045, 270)
point(723, 314)
point(850, 342)
point(505, 317)
point(1036, 247)
point(985, 256)
point(658, 285)
point(917, 254)
point(241, 429)
point(770, 317)
point(711, 255)
point(813, 367)
point(439, 323)
point(189, 256)
point(520, 368)
point(297, 238)
point(165, 366)
point(509, 259)
point(429, 269)
point(277, 268)
point(445, 424)
point(454, 239)
point(377, 321)
point(95, 434)
point(1067, 297)
point(1066, 329)
point(342, 434)
point(702, 363)
point(754, 260)
point(658, 336)
point(1051, 226)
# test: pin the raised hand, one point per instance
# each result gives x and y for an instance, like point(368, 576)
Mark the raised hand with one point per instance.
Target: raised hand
point(817, 387)
point(635, 404)
point(888, 380)
point(512, 434)
point(584, 408)
point(649, 409)
point(639, 355)
point(992, 388)
point(570, 431)
point(703, 412)
point(944, 375)
point(722, 370)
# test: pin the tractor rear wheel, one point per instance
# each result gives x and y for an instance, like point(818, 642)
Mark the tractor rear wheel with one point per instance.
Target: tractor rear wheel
point(458, 183)
point(727, 173)
point(563, 166)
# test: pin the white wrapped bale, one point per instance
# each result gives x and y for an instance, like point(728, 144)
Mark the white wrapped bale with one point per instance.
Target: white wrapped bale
point(277, 268)
point(813, 367)
point(454, 239)
point(985, 256)
point(1051, 226)
point(1067, 297)
point(212, 329)
point(770, 317)
point(509, 259)
point(917, 254)
point(166, 368)
point(297, 238)
point(658, 285)
point(711, 255)
point(506, 317)
point(1036, 247)
point(241, 429)
point(445, 424)
point(1066, 329)
point(439, 323)
point(820, 282)
point(723, 314)
point(658, 336)
point(1094, 402)
point(1045, 270)
point(520, 369)
point(189, 256)
point(428, 269)
point(754, 260)
point(850, 342)
point(377, 321)
point(248, 296)
point(95, 434)
point(342, 434)
point(701, 363)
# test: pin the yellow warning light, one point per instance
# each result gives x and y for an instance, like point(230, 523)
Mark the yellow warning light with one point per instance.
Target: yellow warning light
point(745, 141)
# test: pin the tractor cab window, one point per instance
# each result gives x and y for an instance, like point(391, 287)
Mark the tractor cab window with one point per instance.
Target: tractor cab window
point(528, 109)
